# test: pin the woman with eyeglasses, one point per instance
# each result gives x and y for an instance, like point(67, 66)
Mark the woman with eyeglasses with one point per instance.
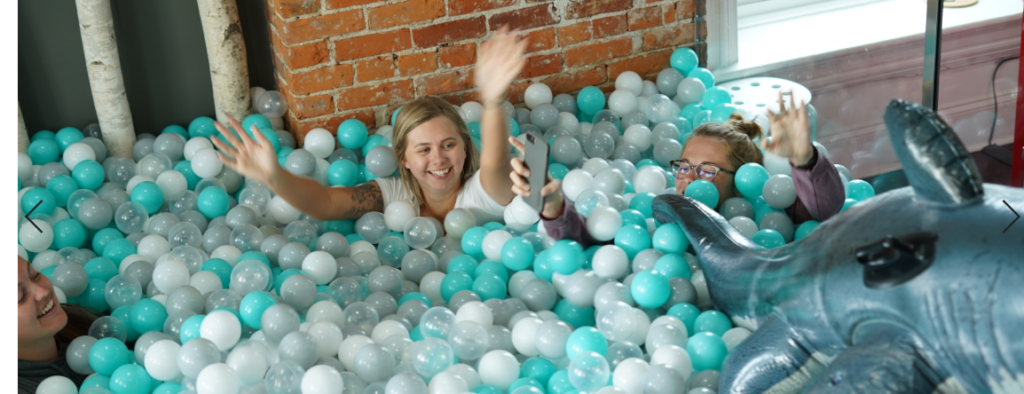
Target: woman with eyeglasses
point(713, 152)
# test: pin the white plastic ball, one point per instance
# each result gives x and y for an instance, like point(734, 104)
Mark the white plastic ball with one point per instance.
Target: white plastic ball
point(629, 375)
point(320, 266)
point(610, 262)
point(319, 142)
point(477, 312)
point(650, 179)
point(639, 136)
point(170, 275)
point(77, 153)
point(622, 102)
point(674, 356)
point(248, 363)
point(349, 347)
point(603, 223)
point(734, 337)
point(397, 214)
point(195, 145)
point(217, 379)
point(206, 164)
point(171, 182)
point(322, 379)
point(493, 242)
point(387, 329)
point(206, 282)
point(222, 328)
point(576, 182)
point(499, 368)
point(521, 212)
point(537, 94)
point(282, 211)
point(595, 165)
point(33, 239)
point(57, 384)
point(777, 164)
point(779, 191)
point(153, 246)
point(744, 225)
point(328, 337)
point(631, 82)
point(473, 111)
point(524, 334)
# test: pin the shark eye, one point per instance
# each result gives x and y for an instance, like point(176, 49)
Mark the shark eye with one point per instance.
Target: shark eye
point(893, 260)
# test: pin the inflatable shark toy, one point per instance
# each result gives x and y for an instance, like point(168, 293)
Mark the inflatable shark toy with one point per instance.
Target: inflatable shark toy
point(917, 290)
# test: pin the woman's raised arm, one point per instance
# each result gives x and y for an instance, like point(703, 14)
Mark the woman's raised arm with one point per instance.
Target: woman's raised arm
point(257, 160)
point(500, 61)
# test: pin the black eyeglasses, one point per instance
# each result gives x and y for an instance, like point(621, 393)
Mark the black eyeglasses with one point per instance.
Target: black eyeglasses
point(704, 170)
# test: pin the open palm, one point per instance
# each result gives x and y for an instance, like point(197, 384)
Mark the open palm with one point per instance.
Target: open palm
point(791, 133)
point(252, 159)
point(501, 60)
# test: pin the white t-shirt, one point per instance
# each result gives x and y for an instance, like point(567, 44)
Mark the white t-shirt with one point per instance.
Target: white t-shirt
point(472, 197)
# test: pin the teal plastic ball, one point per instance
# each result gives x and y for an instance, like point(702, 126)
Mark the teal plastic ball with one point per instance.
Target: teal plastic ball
point(805, 229)
point(88, 174)
point(271, 136)
point(149, 195)
point(93, 297)
point(68, 232)
point(202, 127)
point(116, 250)
point(454, 283)
point(557, 170)
point(37, 195)
point(634, 217)
point(721, 112)
point(103, 237)
point(701, 118)
point(632, 239)
point(669, 238)
point(463, 263)
point(101, 268)
point(67, 136)
point(538, 368)
point(474, 129)
point(107, 355)
point(343, 172)
point(706, 350)
point(673, 266)
point(683, 60)
point(489, 286)
point(643, 202)
point(175, 129)
point(252, 307)
point(590, 100)
point(849, 203)
point(586, 339)
point(649, 289)
point(566, 257)
point(768, 238)
point(704, 75)
point(689, 111)
point(473, 242)
point(686, 313)
point(373, 141)
point(130, 379)
point(43, 135)
point(858, 190)
point(491, 267)
point(185, 168)
point(517, 254)
point(148, 315)
point(213, 202)
point(62, 186)
point(703, 191)
point(352, 134)
point(190, 328)
point(714, 96)
point(750, 179)
point(43, 151)
point(260, 120)
point(712, 321)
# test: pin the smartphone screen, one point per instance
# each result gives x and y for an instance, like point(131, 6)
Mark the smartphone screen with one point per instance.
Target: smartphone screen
point(535, 158)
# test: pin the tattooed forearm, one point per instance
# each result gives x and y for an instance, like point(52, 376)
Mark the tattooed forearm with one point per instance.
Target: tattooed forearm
point(362, 199)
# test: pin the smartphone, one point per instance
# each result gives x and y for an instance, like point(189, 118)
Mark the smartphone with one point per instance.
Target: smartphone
point(535, 157)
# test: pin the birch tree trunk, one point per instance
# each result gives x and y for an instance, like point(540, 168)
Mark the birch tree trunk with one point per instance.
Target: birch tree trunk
point(225, 48)
point(22, 133)
point(105, 79)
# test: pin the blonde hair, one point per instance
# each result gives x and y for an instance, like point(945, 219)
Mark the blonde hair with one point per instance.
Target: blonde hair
point(739, 136)
point(420, 111)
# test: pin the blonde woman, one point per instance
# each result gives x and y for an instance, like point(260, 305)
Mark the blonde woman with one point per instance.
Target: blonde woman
point(439, 167)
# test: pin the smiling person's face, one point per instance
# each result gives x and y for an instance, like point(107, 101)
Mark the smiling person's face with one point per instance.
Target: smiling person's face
point(40, 315)
point(704, 150)
point(436, 155)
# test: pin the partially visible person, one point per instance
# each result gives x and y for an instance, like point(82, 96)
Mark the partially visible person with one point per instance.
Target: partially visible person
point(713, 152)
point(45, 329)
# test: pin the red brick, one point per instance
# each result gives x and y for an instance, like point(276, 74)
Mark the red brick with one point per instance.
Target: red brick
point(572, 82)
point(404, 12)
point(301, 127)
point(610, 26)
point(462, 7)
point(685, 10)
point(335, 4)
point(652, 1)
point(292, 8)
point(588, 8)
point(377, 94)
point(542, 65)
point(372, 45)
point(375, 68)
point(321, 79)
point(540, 40)
point(669, 12)
point(448, 32)
point(598, 51)
point(302, 56)
point(447, 82)
point(457, 55)
point(525, 18)
point(312, 106)
point(574, 33)
point(646, 64)
point(323, 26)
point(417, 63)
point(668, 36)
point(517, 91)
point(643, 18)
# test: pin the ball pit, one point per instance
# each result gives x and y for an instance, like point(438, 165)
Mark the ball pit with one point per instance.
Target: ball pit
point(225, 287)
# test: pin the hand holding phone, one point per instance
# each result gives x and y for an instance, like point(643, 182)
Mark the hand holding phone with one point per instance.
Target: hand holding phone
point(530, 174)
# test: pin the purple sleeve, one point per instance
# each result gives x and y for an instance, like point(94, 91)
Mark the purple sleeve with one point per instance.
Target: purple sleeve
point(571, 225)
point(819, 190)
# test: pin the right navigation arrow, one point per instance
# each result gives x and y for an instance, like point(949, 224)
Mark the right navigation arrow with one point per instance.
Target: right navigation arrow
point(1014, 212)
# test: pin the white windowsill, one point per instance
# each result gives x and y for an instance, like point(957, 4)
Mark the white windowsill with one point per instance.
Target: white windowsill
point(769, 42)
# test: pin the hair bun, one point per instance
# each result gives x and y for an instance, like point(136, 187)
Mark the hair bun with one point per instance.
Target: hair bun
point(750, 129)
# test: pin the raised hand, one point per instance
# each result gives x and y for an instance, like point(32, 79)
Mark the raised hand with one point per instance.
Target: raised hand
point(251, 159)
point(499, 62)
point(791, 132)
point(552, 191)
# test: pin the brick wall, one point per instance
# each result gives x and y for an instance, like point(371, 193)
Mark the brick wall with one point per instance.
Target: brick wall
point(362, 59)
